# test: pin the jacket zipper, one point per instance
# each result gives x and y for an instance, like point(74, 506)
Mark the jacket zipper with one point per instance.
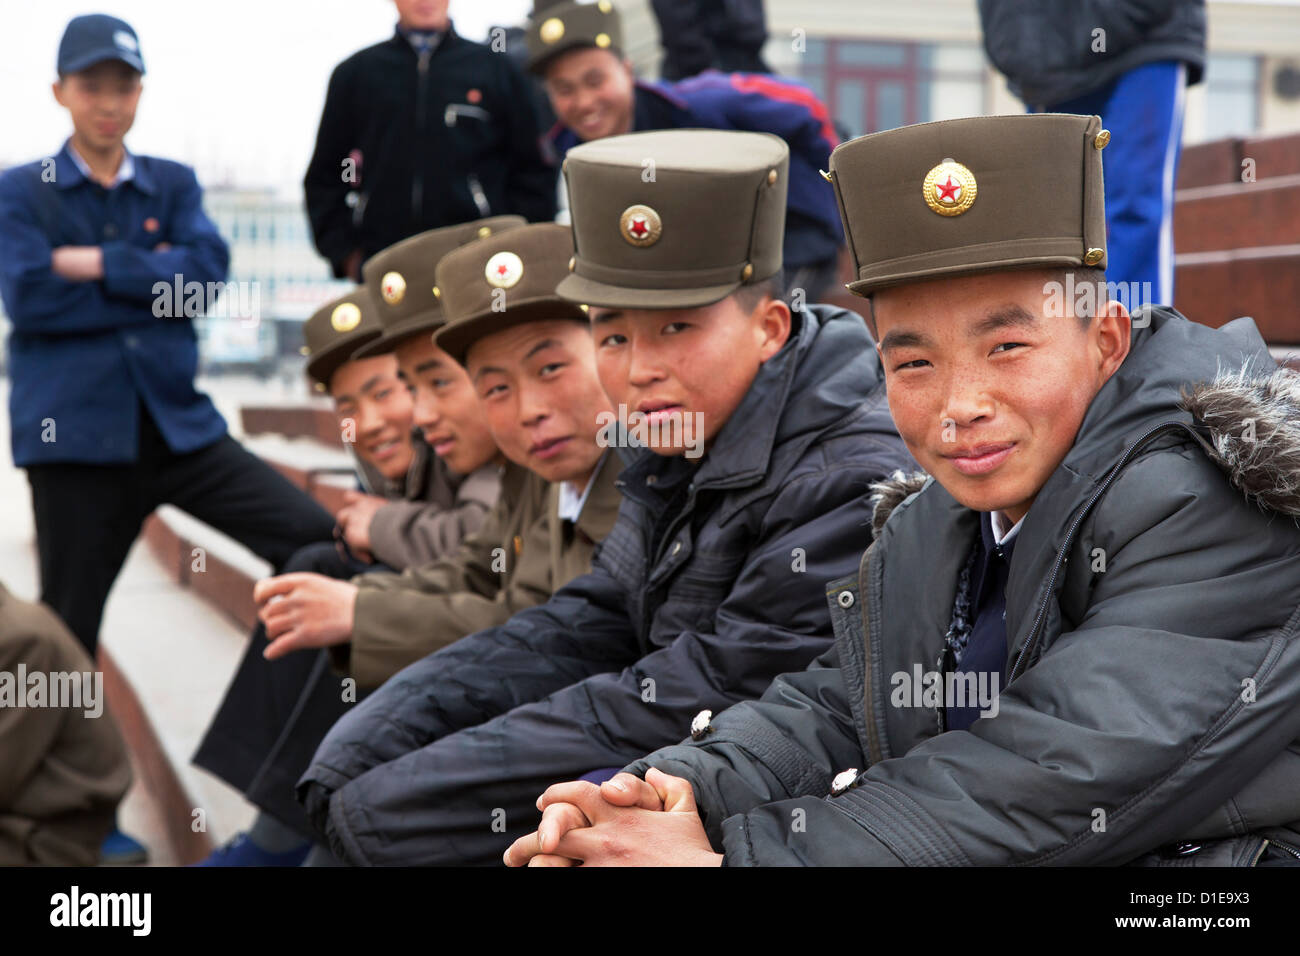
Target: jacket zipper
point(874, 752)
point(1061, 556)
point(480, 197)
point(1283, 846)
point(417, 180)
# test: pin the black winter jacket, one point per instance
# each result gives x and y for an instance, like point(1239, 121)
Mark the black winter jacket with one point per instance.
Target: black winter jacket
point(1153, 637)
point(1050, 51)
point(449, 141)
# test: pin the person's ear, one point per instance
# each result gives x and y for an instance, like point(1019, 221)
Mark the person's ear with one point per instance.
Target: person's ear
point(772, 325)
point(57, 88)
point(1112, 337)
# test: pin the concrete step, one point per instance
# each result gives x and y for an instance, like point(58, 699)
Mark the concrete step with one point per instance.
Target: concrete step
point(1238, 215)
point(1221, 161)
point(292, 421)
point(1216, 287)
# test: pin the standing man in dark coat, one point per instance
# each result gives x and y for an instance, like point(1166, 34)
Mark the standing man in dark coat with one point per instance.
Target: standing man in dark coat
point(424, 130)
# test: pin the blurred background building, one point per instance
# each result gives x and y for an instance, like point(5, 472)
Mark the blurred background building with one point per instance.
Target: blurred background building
point(877, 64)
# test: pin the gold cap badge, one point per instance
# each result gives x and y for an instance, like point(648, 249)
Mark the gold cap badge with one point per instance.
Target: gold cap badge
point(949, 189)
point(640, 225)
point(503, 270)
point(551, 30)
point(393, 288)
point(345, 318)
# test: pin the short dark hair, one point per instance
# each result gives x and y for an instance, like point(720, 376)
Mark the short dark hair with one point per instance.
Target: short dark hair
point(748, 296)
point(1089, 275)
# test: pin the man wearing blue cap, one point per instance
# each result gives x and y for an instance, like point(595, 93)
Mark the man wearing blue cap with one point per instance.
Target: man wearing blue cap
point(103, 410)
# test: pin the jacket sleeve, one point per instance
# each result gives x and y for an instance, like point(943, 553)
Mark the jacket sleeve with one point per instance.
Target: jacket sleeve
point(409, 534)
point(27, 734)
point(326, 192)
point(37, 299)
point(197, 253)
point(774, 619)
point(791, 741)
point(532, 183)
point(790, 110)
point(402, 618)
point(1179, 683)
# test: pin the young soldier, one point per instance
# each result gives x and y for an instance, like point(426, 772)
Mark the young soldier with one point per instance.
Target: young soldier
point(65, 763)
point(765, 430)
point(576, 48)
point(423, 130)
point(1108, 538)
point(275, 713)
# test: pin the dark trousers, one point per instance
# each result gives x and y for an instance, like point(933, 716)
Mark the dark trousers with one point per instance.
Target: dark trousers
point(276, 713)
point(88, 516)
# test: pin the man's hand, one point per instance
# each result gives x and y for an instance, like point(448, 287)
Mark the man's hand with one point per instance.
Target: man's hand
point(78, 263)
point(355, 516)
point(303, 611)
point(624, 822)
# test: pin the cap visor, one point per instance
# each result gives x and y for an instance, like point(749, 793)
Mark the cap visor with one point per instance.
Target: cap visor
point(455, 339)
point(577, 288)
point(87, 60)
point(388, 341)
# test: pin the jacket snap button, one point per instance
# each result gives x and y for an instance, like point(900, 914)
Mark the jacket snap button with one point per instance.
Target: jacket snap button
point(702, 724)
point(844, 781)
point(651, 479)
point(845, 598)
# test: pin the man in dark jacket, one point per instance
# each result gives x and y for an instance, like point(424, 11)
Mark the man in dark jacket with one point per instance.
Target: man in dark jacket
point(1108, 539)
point(424, 130)
point(759, 431)
point(1130, 62)
point(576, 48)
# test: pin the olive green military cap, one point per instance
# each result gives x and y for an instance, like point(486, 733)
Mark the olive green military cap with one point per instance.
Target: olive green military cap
point(335, 331)
point(967, 196)
point(401, 278)
point(504, 281)
point(556, 28)
point(673, 219)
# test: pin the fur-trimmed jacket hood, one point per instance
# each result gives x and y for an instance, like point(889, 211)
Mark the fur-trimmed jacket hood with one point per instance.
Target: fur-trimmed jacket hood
point(1149, 706)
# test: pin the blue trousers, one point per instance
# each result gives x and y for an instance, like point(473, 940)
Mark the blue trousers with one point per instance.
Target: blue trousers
point(1143, 109)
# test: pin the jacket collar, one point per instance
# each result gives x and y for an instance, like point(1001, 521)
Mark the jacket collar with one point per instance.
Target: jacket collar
point(601, 507)
point(657, 106)
point(446, 37)
point(69, 175)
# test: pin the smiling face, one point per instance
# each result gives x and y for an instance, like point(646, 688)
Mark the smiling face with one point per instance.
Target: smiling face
point(446, 409)
point(678, 363)
point(538, 385)
point(102, 101)
point(369, 394)
point(592, 92)
point(987, 389)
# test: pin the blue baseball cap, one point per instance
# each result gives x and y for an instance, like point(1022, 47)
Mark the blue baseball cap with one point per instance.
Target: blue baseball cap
point(95, 38)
